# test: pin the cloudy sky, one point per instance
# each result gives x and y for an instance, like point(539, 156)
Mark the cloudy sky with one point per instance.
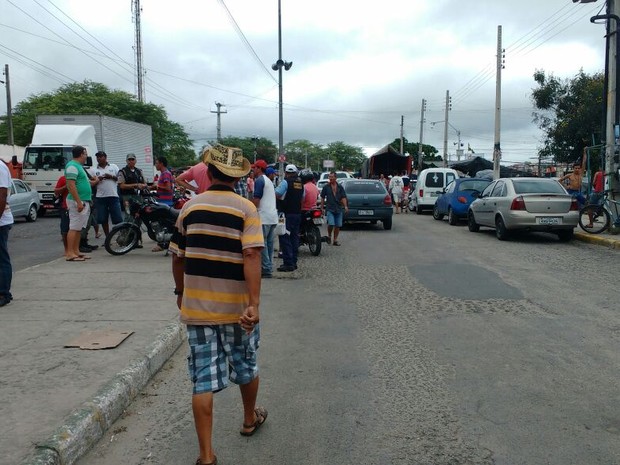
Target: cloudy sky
point(357, 66)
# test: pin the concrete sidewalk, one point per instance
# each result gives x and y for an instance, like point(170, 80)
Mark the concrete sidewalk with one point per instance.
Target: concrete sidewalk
point(56, 401)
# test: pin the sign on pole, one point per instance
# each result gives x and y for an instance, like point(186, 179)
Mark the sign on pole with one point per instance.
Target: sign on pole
point(328, 163)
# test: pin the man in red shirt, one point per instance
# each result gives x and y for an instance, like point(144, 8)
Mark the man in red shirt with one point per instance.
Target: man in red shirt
point(598, 189)
point(198, 174)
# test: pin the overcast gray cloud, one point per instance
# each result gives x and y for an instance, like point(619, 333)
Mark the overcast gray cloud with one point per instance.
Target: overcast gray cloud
point(357, 68)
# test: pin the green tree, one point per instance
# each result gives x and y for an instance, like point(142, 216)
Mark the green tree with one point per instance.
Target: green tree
point(430, 152)
point(569, 112)
point(265, 149)
point(169, 138)
point(301, 151)
point(346, 157)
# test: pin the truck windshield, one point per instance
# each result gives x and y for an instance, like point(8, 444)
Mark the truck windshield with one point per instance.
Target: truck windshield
point(47, 158)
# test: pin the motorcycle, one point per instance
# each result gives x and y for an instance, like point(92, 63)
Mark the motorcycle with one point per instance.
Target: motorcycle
point(309, 232)
point(410, 204)
point(158, 219)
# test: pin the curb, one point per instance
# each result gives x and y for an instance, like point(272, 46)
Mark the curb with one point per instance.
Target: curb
point(598, 240)
point(88, 423)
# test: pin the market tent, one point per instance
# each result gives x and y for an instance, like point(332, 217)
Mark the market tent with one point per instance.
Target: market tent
point(386, 161)
point(472, 166)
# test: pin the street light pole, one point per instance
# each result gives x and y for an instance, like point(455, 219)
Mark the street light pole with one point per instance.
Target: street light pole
point(277, 66)
point(9, 113)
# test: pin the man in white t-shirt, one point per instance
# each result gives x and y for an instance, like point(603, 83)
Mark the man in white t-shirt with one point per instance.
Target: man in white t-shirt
point(107, 202)
point(264, 197)
point(6, 220)
point(396, 188)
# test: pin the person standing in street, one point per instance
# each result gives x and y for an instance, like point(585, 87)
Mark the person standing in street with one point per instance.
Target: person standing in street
point(107, 203)
point(78, 202)
point(198, 174)
point(290, 194)
point(333, 200)
point(6, 220)
point(265, 201)
point(216, 262)
point(61, 192)
point(396, 188)
point(130, 181)
point(573, 181)
point(165, 182)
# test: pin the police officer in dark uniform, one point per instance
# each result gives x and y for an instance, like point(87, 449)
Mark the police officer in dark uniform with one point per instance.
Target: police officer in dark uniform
point(290, 194)
point(130, 181)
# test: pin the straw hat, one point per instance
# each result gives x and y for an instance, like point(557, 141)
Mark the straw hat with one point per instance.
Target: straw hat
point(229, 160)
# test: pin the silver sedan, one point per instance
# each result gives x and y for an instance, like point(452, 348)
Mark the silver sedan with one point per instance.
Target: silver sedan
point(525, 204)
point(23, 200)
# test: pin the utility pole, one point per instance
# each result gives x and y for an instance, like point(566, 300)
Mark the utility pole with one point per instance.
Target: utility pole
point(445, 130)
point(420, 152)
point(497, 152)
point(612, 158)
point(219, 122)
point(9, 111)
point(402, 126)
point(136, 10)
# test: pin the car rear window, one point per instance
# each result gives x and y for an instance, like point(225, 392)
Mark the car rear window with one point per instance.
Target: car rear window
point(475, 185)
point(434, 179)
point(537, 186)
point(364, 187)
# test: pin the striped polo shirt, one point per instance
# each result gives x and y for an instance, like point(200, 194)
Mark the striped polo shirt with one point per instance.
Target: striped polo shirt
point(211, 233)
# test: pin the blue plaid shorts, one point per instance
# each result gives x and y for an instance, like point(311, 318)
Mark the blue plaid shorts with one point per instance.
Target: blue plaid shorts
point(218, 353)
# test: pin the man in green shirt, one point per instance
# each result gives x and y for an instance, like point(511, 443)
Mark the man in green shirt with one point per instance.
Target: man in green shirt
point(80, 194)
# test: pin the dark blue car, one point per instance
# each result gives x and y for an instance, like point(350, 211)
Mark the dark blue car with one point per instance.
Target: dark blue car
point(457, 197)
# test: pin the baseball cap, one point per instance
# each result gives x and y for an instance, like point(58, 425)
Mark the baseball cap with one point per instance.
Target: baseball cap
point(291, 169)
point(269, 171)
point(262, 164)
point(130, 156)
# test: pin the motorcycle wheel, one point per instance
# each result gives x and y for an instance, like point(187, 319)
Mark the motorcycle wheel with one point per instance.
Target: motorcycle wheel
point(314, 240)
point(122, 239)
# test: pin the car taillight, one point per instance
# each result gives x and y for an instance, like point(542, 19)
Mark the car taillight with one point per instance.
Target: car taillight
point(316, 213)
point(387, 200)
point(574, 205)
point(518, 203)
point(421, 192)
point(462, 199)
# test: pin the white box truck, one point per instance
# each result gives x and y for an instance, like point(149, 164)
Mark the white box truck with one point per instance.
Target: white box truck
point(55, 136)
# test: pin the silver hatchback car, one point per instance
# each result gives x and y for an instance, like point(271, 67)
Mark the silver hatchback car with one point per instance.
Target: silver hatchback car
point(525, 204)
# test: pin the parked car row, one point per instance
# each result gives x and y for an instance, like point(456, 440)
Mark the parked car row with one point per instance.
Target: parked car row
point(507, 205)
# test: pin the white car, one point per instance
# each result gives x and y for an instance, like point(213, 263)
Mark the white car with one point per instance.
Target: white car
point(323, 178)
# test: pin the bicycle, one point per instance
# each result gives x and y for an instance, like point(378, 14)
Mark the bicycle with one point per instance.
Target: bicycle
point(600, 214)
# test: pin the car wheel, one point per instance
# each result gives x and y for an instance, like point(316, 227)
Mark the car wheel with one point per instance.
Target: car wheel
point(452, 218)
point(32, 214)
point(418, 209)
point(436, 214)
point(387, 223)
point(471, 222)
point(565, 235)
point(500, 229)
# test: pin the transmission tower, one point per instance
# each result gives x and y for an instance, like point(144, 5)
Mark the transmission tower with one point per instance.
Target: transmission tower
point(136, 10)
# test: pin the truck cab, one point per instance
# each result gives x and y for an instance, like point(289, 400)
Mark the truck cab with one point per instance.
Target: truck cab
point(45, 158)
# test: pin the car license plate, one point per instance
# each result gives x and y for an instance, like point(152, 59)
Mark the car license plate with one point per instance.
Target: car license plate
point(317, 221)
point(550, 220)
point(365, 212)
point(47, 196)
point(434, 194)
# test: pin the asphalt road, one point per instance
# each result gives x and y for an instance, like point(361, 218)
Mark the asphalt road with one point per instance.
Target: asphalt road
point(426, 344)
point(34, 243)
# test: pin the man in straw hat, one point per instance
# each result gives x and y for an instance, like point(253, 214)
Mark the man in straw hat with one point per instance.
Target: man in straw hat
point(216, 265)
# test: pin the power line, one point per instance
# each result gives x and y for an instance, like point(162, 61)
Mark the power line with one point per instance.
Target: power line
point(245, 41)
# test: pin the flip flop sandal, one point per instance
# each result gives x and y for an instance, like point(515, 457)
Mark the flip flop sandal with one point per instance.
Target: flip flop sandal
point(336, 243)
point(261, 417)
point(75, 259)
point(198, 462)
point(85, 257)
